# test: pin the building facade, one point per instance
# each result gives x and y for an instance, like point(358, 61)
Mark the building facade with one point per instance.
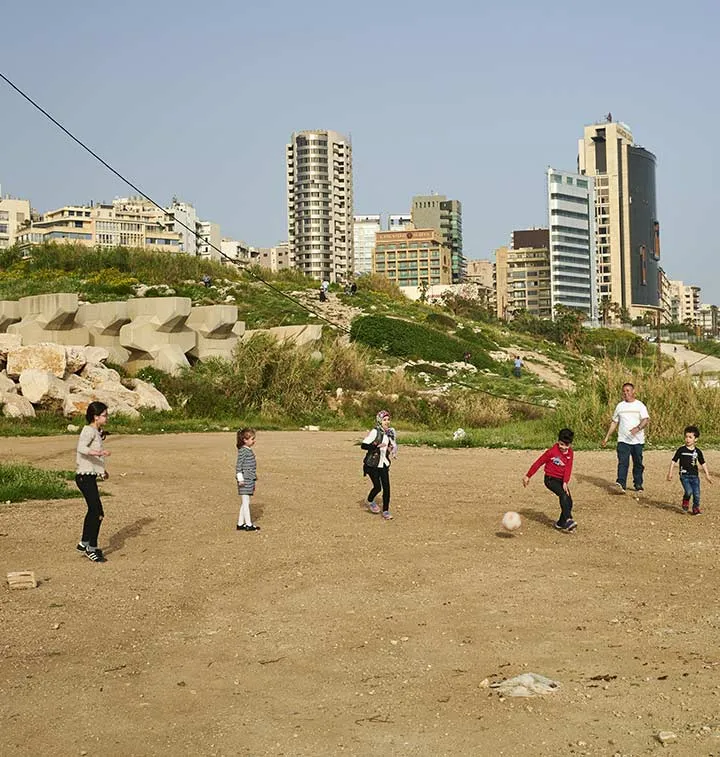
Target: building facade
point(320, 204)
point(400, 222)
point(522, 278)
point(184, 219)
point(445, 216)
point(275, 258)
point(571, 222)
point(627, 236)
point(412, 258)
point(364, 230)
point(209, 240)
point(127, 222)
point(15, 214)
point(685, 302)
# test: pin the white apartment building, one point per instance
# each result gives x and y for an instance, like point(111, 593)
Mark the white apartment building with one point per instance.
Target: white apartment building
point(238, 252)
point(400, 222)
point(320, 204)
point(184, 220)
point(571, 224)
point(364, 230)
point(209, 240)
point(275, 258)
point(685, 302)
point(14, 214)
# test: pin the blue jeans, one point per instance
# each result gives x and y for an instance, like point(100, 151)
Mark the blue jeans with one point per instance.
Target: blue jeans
point(624, 453)
point(691, 488)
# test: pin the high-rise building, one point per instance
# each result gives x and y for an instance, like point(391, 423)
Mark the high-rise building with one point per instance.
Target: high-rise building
point(685, 302)
point(208, 240)
point(364, 230)
point(437, 212)
point(522, 275)
point(184, 219)
point(14, 215)
point(571, 211)
point(320, 204)
point(412, 258)
point(627, 230)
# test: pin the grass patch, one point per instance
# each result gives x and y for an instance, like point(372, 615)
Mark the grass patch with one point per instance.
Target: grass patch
point(20, 483)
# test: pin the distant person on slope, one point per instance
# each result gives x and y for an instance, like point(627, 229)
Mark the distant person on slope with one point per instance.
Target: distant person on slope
point(630, 418)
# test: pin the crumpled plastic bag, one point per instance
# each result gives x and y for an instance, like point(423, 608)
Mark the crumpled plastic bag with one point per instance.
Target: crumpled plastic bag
point(526, 685)
point(459, 434)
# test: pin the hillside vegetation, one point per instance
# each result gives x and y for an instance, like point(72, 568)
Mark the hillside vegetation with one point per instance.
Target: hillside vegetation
point(406, 356)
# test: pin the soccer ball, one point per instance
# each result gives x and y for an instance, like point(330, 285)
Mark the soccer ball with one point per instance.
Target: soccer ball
point(511, 521)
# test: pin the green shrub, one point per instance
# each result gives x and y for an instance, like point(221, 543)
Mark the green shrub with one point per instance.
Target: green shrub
point(415, 341)
point(614, 343)
point(24, 482)
point(440, 319)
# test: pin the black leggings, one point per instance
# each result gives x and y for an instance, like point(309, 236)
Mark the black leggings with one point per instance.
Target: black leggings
point(556, 487)
point(91, 526)
point(380, 478)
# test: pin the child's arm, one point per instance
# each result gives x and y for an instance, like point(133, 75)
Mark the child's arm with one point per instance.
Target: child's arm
point(670, 470)
point(535, 466)
point(707, 473)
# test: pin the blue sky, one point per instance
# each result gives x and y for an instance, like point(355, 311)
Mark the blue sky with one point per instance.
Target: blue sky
point(468, 99)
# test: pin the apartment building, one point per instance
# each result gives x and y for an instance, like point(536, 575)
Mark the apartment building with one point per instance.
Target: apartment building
point(14, 215)
point(445, 216)
point(627, 232)
point(208, 240)
point(364, 230)
point(127, 222)
point(320, 204)
point(571, 222)
point(412, 258)
point(685, 302)
point(275, 258)
point(523, 275)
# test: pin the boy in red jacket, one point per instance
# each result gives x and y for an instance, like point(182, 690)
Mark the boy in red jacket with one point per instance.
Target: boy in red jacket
point(558, 461)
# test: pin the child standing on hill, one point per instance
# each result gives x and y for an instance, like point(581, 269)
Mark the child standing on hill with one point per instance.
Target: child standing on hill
point(246, 476)
point(558, 462)
point(689, 456)
point(381, 446)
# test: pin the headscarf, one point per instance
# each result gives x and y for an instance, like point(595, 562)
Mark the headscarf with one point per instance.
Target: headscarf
point(389, 432)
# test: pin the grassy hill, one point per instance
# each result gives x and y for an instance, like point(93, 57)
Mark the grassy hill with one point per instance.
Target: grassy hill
point(406, 356)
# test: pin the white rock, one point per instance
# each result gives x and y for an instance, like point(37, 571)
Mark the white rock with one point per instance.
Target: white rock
point(44, 356)
point(96, 354)
point(120, 392)
point(666, 737)
point(76, 403)
point(38, 386)
point(97, 374)
point(75, 358)
point(77, 383)
point(16, 406)
point(9, 342)
point(7, 384)
point(72, 428)
point(150, 398)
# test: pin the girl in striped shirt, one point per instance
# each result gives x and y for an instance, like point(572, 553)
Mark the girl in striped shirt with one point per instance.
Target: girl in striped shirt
point(246, 476)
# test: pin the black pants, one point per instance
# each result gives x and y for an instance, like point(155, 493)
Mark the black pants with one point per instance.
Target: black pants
point(91, 526)
point(380, 478)
point(556, 487)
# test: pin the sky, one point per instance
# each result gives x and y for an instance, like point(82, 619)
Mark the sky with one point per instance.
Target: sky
point(470, 99)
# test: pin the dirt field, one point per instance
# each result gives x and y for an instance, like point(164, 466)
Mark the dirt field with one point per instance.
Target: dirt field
point(331, 632)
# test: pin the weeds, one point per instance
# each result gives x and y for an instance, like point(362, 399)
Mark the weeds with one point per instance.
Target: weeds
point(19, 483)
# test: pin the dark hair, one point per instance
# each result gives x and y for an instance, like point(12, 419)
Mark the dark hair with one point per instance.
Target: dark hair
point(243, 435)
point(93, 410)
point(566, 436)
point(628, 383)
point(692, 430)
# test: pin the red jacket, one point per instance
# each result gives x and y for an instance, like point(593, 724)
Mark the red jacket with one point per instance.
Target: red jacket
point(558, 464)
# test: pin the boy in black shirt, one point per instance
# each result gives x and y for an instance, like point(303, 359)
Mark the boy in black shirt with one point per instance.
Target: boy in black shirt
point(689, 456)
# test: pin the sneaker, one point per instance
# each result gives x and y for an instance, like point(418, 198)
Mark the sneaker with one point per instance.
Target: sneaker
point(242, 527)
point(387, 515)
point(374, 508)
point(686, 505)
point(252, 528)
point(620, 487)
point(80, 548)
point(696, 511)
point(639, 489)
point(95, 555)
point(569, 525)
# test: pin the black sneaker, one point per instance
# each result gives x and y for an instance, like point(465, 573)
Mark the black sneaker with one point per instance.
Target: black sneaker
point(95, 555)
point(252, 528)
point(639, 489)
point(80, 547)
point(241, 528)
point(619, 487)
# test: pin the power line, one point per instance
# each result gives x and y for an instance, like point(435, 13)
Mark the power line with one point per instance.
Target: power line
point(194, 231)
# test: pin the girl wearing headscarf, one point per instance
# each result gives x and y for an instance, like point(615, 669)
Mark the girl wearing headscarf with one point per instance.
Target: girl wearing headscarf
point(381, 446)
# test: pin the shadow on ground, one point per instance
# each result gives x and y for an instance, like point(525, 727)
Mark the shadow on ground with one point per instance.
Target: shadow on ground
point(118, 539)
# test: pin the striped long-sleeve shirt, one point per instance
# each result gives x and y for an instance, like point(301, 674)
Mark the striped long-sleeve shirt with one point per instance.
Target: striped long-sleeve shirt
point(247, 466)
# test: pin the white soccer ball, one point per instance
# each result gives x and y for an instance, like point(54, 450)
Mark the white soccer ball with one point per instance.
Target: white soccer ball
point(511, 521)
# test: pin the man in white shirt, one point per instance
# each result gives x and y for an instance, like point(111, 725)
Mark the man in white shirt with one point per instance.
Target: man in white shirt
point(630, 419)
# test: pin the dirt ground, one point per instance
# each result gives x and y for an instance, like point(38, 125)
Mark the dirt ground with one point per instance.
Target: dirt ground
point(332, 632)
